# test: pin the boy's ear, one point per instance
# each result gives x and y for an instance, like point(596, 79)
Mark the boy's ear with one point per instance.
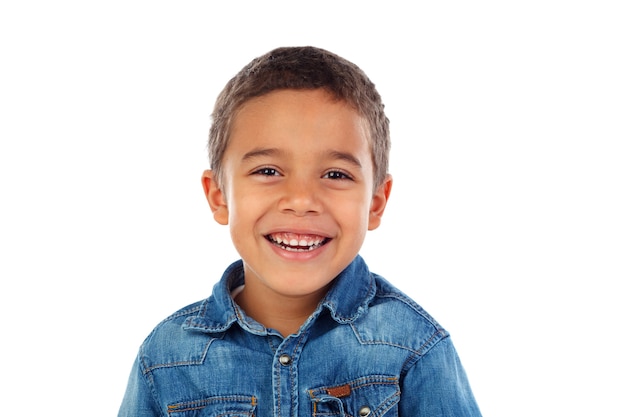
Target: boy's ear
point(379, 202)
point(215, 197)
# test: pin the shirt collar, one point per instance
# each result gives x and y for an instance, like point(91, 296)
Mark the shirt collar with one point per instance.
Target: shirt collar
point(347, 299)
point(351, 292)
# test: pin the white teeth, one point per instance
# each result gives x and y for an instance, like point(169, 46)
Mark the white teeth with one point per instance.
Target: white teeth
point(295, 245)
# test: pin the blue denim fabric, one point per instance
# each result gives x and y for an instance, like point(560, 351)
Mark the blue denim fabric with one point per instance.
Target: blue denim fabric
point(367, 350)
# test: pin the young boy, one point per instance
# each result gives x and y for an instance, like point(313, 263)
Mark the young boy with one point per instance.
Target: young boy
point(299, 327)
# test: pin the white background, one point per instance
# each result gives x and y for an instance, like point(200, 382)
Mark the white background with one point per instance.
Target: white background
point(506, 220)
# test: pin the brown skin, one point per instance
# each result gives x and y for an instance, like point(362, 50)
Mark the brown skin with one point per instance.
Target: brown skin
point(299, 197)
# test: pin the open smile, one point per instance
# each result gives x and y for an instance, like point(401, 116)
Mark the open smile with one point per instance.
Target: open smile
point(297, 242)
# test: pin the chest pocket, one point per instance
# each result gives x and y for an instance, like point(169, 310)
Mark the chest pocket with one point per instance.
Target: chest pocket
point(222, 406)
point(371, 396)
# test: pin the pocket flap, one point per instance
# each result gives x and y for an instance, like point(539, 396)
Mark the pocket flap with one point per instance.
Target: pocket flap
point(369, 396)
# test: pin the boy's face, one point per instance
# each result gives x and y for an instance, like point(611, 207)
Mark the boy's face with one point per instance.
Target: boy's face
point(298, 190)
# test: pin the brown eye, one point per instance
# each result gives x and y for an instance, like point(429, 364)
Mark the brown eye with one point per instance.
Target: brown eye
point(269, 172)
point(337, 175)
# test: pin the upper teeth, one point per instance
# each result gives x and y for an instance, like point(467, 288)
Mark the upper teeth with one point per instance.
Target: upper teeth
point(296, 242)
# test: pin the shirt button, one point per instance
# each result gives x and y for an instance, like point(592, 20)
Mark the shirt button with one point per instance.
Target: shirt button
point(364, 411)
point(284, 359)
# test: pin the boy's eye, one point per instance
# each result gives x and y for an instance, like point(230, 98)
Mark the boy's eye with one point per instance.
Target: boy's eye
point(337, 175)
point(269, 172)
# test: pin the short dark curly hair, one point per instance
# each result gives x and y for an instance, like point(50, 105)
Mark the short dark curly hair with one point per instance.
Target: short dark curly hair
point(302, 68)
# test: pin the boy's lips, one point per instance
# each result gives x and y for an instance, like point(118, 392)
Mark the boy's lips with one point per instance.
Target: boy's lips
point(296, 241)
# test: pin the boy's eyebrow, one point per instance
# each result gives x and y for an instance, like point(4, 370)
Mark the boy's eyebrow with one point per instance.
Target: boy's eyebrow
point(345, 156)
point(332, 154)
point(260, 152)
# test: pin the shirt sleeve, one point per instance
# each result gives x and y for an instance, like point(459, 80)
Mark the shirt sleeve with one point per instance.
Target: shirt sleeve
point(139, 400)
point(437, 386)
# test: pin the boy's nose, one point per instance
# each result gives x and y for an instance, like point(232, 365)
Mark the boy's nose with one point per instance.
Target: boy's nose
point(300, 198)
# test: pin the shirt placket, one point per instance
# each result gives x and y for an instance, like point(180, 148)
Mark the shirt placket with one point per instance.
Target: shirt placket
point(285, 376)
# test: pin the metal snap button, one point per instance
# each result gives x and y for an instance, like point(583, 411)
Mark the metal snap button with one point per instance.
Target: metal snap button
point(364, 411)
point(284, 359)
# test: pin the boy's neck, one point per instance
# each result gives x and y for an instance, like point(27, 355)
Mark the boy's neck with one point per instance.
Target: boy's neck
point(282, 313)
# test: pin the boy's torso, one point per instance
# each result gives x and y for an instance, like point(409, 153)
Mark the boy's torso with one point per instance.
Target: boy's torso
point(211, 360)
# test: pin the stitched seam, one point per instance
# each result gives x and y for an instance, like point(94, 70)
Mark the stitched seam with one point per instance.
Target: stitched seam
point(361, 382)
point(388, 404)
point(183, 313)
point(420, 351)
point(180, 363)
point(200, 404)
point(411, 304)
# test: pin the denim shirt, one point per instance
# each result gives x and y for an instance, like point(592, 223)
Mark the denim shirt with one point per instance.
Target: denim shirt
point(367, 350)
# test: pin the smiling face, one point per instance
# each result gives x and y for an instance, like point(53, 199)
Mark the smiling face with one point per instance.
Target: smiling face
point(298, 191)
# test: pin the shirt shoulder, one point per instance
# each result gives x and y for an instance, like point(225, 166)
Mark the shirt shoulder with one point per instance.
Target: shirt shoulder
point(394, 318)
point(169, 344)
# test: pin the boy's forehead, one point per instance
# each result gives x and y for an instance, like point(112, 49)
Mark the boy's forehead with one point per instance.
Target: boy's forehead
point(286, 95)
point(276, 107)
point(287, 121)
point(272, 103)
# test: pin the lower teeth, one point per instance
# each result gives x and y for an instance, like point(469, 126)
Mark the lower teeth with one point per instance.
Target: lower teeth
point(300, 249)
